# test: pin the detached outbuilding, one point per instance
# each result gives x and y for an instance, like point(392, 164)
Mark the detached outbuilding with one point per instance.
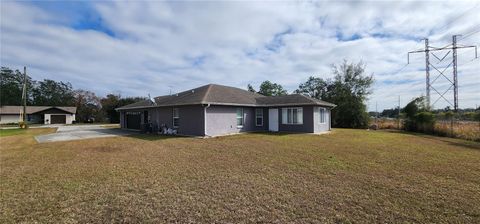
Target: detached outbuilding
point(38, 114)
point(214, 110)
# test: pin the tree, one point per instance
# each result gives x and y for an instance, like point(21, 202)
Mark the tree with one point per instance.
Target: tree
point(348, 90)
point(88, 106)
point(316, 88)
point(391, 113)
point(109, 104)
point(251, 89)
point(129, 100)
point(268, 88)
point(52, 93)
point(418, 116)
point(11, 87)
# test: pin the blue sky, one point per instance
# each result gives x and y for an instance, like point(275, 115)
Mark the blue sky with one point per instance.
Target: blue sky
point(136, 48)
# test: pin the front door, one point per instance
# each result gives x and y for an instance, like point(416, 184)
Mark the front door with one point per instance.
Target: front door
point(273, 119)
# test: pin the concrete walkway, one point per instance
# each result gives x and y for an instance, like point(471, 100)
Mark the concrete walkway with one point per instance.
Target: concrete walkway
point(68, 133)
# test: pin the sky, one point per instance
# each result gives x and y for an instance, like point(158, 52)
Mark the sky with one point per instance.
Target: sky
point(136, 48)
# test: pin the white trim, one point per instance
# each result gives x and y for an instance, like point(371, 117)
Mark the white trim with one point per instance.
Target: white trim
point(256, 116)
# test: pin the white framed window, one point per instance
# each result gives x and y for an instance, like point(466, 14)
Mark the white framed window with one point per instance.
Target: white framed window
point(176, 118)
point(240, 117)
point(322, 113)
point(259, 116)
point(293, 115)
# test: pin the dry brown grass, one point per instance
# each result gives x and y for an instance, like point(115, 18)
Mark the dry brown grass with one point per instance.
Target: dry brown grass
point(345, 176)
point(469, 130)
point(387, 123)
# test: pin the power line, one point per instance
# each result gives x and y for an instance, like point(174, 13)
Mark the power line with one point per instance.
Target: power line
point(465, 36)
point(466, 12)
point(401, 69)
point(428, 50)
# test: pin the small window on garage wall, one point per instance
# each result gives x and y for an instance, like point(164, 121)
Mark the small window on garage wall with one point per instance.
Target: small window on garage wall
point(176, 118)
point(322, 113)
point(240, 119)
point(259, 117)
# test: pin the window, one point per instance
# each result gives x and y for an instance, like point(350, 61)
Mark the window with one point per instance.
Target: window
point(322, 113)
point(239, 117)
point(176, 118)
point(259, 117)
point(292, 115)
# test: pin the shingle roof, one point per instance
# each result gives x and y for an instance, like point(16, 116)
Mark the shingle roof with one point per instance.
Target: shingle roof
point(33, 109)
point(225, 95)
point(293, 99)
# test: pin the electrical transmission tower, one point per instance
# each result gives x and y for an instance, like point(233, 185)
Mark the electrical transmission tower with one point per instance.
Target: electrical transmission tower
point(429, 50)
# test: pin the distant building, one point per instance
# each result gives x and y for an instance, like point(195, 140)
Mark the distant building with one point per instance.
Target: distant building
point(38, 114)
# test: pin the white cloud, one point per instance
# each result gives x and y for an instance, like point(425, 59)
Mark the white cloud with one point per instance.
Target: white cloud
point(186, 44)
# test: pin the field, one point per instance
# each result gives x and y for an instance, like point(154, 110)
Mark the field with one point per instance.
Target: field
point(346, 176)
point(468, 130)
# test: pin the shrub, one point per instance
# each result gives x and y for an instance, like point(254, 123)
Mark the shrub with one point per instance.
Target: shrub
point(23, 124)
point(425, 122)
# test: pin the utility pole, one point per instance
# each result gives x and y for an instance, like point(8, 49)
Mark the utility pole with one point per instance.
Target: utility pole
point(429, 84)
point(398, 112)
point(24, 94)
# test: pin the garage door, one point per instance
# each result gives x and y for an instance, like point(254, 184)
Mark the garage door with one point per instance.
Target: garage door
point(133, 120)
point(58, 119)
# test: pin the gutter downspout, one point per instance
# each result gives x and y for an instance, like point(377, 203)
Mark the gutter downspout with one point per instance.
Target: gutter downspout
point(205, 119)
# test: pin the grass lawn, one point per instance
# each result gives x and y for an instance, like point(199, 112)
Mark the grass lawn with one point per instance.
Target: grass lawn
point(8, 132)
point(346, 176)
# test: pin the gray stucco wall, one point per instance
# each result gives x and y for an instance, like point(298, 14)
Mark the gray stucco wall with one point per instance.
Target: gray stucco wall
point(319, 127)
point(14, 118)
point(191, 120)
point(122, 119)
point(162, 115)
point(9, 118)
point(222, 120)
point(307, 125)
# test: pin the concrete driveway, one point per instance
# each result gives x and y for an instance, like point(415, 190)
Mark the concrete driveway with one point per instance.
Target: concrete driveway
point(77, 132)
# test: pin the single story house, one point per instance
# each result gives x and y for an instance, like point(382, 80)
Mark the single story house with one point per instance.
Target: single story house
point(214, 110)
point(38, 114)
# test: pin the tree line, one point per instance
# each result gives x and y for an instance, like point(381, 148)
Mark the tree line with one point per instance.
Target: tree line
point(47, 92)
point(467, 114)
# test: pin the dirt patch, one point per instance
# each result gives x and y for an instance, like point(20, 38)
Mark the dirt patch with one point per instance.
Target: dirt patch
point(107, 149)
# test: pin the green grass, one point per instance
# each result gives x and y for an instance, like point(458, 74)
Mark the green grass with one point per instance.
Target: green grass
point(346, 176)
point(8, 132)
